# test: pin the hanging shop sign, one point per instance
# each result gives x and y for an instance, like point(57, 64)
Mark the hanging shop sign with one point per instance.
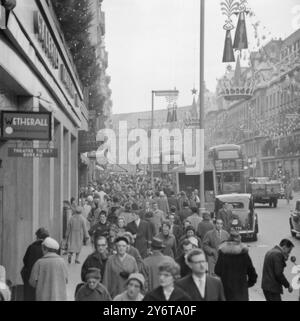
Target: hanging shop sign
point(26, 125)
point(33, 152)
point(87, 142)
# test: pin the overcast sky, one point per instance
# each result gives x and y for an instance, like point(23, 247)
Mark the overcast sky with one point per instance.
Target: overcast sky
point(154, 45)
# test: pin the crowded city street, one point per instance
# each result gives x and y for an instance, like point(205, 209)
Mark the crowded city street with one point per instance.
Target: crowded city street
point(150, 152)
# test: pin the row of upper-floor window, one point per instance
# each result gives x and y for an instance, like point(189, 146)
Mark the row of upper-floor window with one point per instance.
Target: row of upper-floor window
point(264, 105)
point(290, 49)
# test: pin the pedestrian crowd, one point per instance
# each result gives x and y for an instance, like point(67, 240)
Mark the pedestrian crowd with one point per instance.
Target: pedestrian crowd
point(149, 244)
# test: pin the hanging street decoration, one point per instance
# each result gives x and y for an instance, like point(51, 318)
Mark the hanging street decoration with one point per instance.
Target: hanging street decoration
point(241, 39)
point(228, 8)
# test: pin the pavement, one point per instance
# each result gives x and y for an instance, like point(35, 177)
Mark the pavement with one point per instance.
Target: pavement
point(74, 271)
point(273, 226)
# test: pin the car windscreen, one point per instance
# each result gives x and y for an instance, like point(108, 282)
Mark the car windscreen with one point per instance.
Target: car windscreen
point(237, 205)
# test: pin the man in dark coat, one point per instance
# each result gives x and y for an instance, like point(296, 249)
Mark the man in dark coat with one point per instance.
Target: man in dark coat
point(140, 230)
point(33, 253)
point(199, 285)
point(185, 212)
point(172, 200)
point(234, 267)
point(185, 270)
point(273, 278)
point(101, 228)
point(97, 259)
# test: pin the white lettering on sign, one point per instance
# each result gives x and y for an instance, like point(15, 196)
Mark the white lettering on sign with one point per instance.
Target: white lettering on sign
point(18, 121)
point(44, 36)
point(67, 81)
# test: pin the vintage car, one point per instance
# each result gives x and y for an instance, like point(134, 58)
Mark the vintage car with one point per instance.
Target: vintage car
point(295, 221)
point(245, 218)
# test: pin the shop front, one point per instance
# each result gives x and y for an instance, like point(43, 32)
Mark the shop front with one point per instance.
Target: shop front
point(42, 110)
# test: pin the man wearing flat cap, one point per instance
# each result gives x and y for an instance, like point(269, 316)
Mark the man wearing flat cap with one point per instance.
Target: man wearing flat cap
point(49, 274)
point(152, 262)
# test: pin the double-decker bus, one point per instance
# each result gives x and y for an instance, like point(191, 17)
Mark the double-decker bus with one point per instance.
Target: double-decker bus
point(229, 165)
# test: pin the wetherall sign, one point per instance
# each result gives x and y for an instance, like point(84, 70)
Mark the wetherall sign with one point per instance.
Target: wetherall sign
point(26, 126)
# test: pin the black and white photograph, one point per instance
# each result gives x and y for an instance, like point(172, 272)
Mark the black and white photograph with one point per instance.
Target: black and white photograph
point(149, 151)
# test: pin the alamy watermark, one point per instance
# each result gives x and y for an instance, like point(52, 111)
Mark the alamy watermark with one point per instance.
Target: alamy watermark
point(163, 146)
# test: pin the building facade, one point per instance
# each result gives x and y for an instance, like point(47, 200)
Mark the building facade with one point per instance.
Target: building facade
point(267, 124)
point(37, 75)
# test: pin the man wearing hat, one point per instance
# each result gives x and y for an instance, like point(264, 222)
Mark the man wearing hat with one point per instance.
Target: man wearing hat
point(93, 290)
point(33, 253)
point(140, 229)
point(49, 274)
point(135, 285)
point(234, 267)
point(152, 262)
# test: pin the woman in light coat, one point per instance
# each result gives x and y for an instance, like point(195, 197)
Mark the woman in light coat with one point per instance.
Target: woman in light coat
point(76, 235)
point(119, 267)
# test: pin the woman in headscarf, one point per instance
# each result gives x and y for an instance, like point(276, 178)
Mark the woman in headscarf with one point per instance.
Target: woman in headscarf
point(118, 268)
point(76, 235)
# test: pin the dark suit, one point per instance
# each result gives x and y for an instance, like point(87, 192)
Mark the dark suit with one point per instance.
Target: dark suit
point(143, 236)
point(184, 268)
point(158, 295)
point(213, 289)
point(273, 278)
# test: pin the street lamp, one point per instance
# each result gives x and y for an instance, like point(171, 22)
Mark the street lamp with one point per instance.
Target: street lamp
point(159, 93)
point(202, 101)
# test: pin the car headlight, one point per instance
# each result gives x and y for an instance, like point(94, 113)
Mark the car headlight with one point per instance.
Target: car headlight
point(235, 222)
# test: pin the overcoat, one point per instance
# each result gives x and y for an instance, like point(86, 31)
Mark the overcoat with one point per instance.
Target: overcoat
point(50, 276)
point(76, 233)
point(211, 243)
point(143, 236)
point(234, 267)
point(117, 272)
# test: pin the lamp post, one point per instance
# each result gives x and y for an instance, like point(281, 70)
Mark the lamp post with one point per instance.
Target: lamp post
point(202, 100)
point(158, 93)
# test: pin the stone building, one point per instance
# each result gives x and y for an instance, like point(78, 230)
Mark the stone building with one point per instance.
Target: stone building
point(37, 75)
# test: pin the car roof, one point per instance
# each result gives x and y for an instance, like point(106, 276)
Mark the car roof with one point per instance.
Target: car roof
point(234, 197)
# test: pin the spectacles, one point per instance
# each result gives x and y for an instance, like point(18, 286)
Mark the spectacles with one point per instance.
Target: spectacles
point(101, 245)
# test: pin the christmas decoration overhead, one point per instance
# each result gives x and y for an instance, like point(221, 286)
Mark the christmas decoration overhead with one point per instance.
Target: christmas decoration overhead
point(241, 40)
point(229, 8)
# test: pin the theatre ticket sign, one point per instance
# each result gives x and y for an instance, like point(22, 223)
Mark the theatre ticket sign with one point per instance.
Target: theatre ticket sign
point(26, 126)
point(33, 152)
